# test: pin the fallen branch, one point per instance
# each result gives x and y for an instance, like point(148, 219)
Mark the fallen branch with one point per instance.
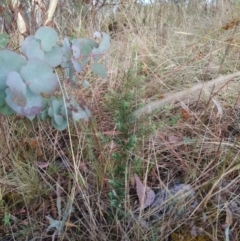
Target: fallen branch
point(181, 95)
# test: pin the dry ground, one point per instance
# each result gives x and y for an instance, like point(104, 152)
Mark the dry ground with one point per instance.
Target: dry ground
point(84, 175)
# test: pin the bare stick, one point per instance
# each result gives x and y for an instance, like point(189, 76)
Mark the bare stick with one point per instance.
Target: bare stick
point(152, 106)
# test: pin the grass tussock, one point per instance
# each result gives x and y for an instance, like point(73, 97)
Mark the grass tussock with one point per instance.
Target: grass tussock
point(83, 178)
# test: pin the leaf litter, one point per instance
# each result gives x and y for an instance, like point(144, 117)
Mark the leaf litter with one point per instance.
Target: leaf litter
point(166, 200)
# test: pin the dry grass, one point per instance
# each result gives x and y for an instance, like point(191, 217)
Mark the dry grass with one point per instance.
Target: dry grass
point(87, 170)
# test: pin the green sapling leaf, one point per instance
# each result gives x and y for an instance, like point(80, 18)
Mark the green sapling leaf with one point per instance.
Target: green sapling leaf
point(6, 110)
point(76, 49)
point(54, 57)
point(85, 84)
point(18, 88)
point(85, 49)
point(66, 51)
point(31, 109)
point(26, 43)
point(9, 61)
point(44, 114)
point(104, 45)
point(33, 50)
point(58, 119)
point(2, 98)
point(81, 114)
point(66, 44)
point(56, 105)
point(99, 69)
point(89, 42)
point(24, 82)
point(61, 127)
point(48, 37)
point(50, 112)
point(39, 76)
point(70, 71)
point(77, 66)
point(76, 111)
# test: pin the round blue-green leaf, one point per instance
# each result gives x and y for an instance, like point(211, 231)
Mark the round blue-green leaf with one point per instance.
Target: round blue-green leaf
point(99, 69)
point(104, 45)
point(64, 111)
point(33, 50)
point(54, 57)
point(81, 114)
point(59, 119)
point(89, 41)
point(6, 110)
point(2, 97)
point(32, 108)
point(48, 37)
point(9, 61)
point(77, 66)
point(55, 107)
point(57, 104)
point(61, 127)
point(66, 51)
point(43, 115)
point(66, 45)
point(76, 49)
point(50, 111)
point(31, 117)
point(85, 84)
point(18, 88)
point(65, 62)
point(76, 111)
point(26, 42)
point(39, 76)
point(69, 71)
point(85, 49)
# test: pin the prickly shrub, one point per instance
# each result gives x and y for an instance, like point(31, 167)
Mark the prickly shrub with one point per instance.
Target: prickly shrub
point(28, 80)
